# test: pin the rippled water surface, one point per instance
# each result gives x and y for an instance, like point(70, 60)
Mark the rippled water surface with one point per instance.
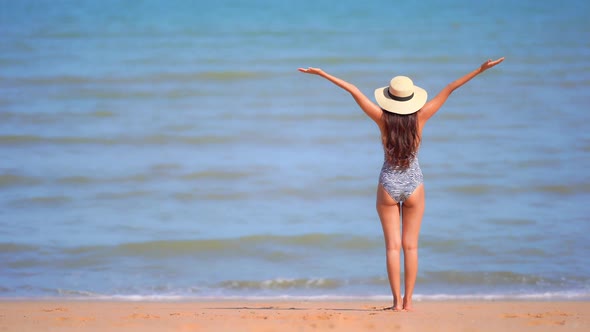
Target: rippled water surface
point(173, 150)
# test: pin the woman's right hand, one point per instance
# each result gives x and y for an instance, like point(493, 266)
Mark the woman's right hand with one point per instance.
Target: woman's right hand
point(489, 64)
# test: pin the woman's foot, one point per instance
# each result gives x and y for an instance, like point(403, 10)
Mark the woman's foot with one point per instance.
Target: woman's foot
point(394, 308)
point(407, 305)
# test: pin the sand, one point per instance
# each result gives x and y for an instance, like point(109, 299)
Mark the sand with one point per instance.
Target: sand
point(285, 316)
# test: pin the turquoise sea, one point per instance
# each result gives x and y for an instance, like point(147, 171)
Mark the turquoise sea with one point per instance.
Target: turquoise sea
point(171, 150)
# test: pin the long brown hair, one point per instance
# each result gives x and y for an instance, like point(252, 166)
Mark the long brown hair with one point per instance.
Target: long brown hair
point(401, 138)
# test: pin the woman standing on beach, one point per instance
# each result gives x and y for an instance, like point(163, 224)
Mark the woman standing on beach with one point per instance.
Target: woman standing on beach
point(401, 112)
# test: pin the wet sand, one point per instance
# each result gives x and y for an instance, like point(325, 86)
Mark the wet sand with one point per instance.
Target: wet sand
point(288, 316)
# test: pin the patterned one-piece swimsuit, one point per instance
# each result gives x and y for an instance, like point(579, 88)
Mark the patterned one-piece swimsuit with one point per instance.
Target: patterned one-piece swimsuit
point(400, 184)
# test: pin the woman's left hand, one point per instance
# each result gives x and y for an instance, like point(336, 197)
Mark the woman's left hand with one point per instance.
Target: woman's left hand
point(311, 70)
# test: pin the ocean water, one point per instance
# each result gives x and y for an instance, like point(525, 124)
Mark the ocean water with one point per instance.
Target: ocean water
point(170, 149)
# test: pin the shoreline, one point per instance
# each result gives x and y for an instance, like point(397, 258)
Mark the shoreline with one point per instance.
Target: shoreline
point(298, 299)
point(291, 315)
point(554, 297)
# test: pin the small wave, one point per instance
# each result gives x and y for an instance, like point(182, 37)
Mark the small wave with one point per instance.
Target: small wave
point(494, 278)
point(24, 263)
point(121, 140)
point(52, 80)
point(76, 180)
point(77, 293)
point(578, 188)
point(42, 201)
point(102, 114)
point(266, 247)
point(555, 189)
point(217, 175)
point(165, 167)
point(453, 246)
point(281, 283)
point(331, 187)
point(541, 296)
point(80, 83)
point(321, 192)
point(307, 117)
point(528, 252)
point(343, 178)
point(530, 163)
point(473, 189)
point(30, 118)
point(8, 180)
point(123, 195)
point(86, 180)
point(33, 139)
point(45, 118)
point(249, 243)
point(332, 60)
point(15, 248)
point(512, 222)
point(177, 128)
point(87, 93)
point(183, 295)
point(460, 116)
point(209, 196)
point(229, 75)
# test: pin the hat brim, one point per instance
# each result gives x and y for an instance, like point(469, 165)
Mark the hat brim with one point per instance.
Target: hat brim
point(401, 107)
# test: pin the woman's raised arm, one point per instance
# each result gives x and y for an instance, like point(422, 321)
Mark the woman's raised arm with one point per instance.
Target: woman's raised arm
point(432, 106)
point(370, 108)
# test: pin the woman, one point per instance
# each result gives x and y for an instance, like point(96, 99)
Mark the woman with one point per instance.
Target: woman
point(401, 112)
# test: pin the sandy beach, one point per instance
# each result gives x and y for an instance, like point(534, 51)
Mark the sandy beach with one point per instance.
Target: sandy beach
point(291, 316)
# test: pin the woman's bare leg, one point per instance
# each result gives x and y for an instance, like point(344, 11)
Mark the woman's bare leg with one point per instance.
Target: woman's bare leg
point(389, 213)
point(412, 212)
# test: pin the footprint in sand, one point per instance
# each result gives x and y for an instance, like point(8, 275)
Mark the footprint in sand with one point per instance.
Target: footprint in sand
point(544, 318)
point(56, 309)
point(143, 316)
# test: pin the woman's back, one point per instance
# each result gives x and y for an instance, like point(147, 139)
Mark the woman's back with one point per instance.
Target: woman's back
point(400, 137)
point(401, 112)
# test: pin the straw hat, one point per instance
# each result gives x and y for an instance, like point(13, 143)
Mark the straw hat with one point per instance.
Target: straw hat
point(401, 96)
